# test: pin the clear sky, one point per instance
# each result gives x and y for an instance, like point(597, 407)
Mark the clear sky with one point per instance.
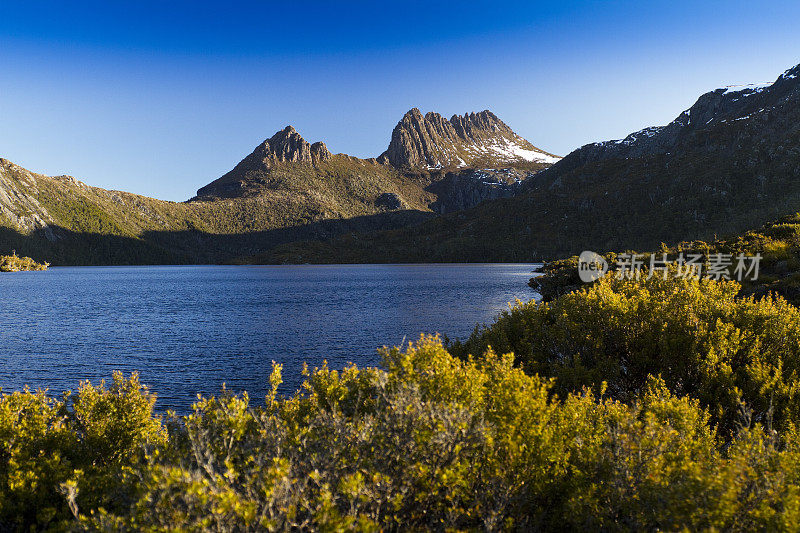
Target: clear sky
point(159, 98)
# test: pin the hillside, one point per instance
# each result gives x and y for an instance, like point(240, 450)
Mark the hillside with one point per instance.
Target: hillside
point(286, 190)
point(64, 221)
point(728, 163)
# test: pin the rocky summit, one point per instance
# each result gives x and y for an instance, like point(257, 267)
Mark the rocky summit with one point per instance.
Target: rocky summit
point(431, 141)
point(286, 146)
point(420, 144)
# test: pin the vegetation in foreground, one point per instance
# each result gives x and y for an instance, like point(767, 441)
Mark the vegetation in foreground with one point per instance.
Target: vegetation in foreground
point(13, 263)
point(654, 404)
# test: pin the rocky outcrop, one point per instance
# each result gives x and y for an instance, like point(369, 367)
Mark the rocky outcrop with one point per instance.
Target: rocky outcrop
point(431, 141)
point(467, 188)
point(286, 146)
point(18, 200)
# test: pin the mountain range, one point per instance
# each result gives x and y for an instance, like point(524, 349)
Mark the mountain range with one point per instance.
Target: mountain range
point(463, 189)
point(729, 163)
point(285, 190)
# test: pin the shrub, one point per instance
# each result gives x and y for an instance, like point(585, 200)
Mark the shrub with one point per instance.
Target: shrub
point(702, 340)
point(434, 442)
point(13, 263)
point(56, 454)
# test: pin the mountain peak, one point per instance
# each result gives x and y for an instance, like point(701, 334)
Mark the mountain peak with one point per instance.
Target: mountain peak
point(432, 141)
point(286, 146)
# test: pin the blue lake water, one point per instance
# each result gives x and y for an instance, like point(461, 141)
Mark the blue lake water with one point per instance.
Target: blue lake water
point(187, 330)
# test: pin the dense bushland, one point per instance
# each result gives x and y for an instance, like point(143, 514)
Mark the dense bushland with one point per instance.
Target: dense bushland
point(777, 242)
point(633, 405)
point(694, 333)
point(14, 263)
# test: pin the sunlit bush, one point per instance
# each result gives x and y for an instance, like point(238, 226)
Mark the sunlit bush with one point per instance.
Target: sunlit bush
point(58, 454)
point(704, 342)
point(433, 442)
point(13, 263)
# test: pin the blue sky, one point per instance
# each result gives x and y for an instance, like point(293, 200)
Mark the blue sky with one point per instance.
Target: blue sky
point(159, 98)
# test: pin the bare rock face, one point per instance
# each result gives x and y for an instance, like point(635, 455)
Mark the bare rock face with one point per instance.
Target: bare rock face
point(286, 146)
point(466, 188)
point(432, 141)
point(19, 204)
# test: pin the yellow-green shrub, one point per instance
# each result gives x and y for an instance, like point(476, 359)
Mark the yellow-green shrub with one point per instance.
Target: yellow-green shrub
point(702, 340)
point(56, 454)
point(434, 442)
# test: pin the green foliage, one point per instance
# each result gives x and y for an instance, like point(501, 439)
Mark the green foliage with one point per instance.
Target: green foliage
point(12, 263)
point(57, 455)
point(702, 340)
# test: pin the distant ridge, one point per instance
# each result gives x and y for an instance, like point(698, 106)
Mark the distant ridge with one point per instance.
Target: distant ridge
point(727, 164)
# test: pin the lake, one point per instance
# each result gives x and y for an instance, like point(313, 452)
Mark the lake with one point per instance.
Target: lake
point(188, 329)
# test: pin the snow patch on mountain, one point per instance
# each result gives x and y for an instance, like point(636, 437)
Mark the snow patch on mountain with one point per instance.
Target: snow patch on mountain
point(636, 136)
point(790, 74)
point(749, 89)
point(511, 151)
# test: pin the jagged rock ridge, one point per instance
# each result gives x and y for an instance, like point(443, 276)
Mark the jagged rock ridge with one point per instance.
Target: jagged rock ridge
point(286, 146)
point(431, 141)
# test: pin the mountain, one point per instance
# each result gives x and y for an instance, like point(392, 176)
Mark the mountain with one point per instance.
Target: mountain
point(713, 126)
point(728, 163)
point(285, 190)
point(64, 221)
point(472, 140)
point(286, 146)
point(426, 148)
